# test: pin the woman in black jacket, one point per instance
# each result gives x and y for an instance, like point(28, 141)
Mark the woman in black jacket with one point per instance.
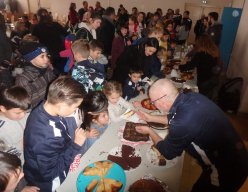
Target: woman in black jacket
point(135, 56)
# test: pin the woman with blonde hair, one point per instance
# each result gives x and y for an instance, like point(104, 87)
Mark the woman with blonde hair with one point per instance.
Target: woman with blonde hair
point(206, 60)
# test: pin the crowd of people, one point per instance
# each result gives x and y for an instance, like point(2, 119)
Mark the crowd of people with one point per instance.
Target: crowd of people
point(57, 95)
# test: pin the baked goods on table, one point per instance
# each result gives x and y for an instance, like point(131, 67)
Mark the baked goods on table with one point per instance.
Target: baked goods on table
point(161, 159)
point(146, 103)
point(101, 169)
point(126, 157)
point(131, 134)
point(108, 185)
point(147, 185)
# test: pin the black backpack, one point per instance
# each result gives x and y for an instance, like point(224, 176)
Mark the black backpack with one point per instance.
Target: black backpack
point(229, 95)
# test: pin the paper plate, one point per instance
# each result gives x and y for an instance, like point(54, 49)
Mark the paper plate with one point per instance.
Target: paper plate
point(153, 159)
point(146, 103)
point(115, 172)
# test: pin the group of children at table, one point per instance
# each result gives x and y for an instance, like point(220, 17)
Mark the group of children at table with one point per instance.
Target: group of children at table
point(51, 135)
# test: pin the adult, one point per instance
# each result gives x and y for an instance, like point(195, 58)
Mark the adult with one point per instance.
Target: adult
point(51, 34)
point(199, 127)
point(83, 10)
point(99, 9)
point(73, 16)
point(135, 56)
point(186, 20)
point(215, 28)
point(200, 26)
point(5, 48)
point(177, 18)
point(87, 30)
point(205, 60)
point(106, 32)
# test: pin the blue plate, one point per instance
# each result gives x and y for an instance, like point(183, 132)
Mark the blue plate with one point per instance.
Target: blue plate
point(115, 172)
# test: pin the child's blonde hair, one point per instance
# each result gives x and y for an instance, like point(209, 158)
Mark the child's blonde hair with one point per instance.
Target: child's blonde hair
point(81, 46)
point(112, 87)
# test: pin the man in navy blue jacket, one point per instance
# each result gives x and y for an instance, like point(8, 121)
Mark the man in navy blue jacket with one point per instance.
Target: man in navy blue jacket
point(199, 127)
point(49, 149)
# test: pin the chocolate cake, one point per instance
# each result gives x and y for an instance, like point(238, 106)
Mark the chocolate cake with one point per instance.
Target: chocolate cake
point(131, 134)
point(120, 161)
point(146, 185)
point(127, 158)
point(128, 153)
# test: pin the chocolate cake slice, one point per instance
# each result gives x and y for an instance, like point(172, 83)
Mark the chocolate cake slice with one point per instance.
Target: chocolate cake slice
point(131, 134)
point(120, 161)
point(128, 158)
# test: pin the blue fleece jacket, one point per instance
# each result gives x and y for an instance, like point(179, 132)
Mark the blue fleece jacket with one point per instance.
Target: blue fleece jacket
point(48, 150)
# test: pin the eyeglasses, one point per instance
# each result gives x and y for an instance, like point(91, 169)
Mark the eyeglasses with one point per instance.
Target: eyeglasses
point(153, 102)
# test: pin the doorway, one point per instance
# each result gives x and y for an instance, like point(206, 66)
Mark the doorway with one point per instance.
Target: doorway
point(196, 11)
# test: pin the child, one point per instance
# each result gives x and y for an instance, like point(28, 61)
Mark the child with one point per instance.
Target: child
point(96, 118)
point(83, 71)
point(133, 84)
point(14, 102)
point(37, 74)
point(120, 42)
point(96, 48)
point(117, 105)
point(49, 149)
point(11, 173)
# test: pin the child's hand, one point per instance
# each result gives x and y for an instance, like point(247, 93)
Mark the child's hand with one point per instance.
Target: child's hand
point(143, 116)
point(30, 189)
point(80, 136)
point(92, 133)
point(136, 104)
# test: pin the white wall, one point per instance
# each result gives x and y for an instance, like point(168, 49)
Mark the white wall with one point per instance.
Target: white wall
point(61, 6)
point(238, 66)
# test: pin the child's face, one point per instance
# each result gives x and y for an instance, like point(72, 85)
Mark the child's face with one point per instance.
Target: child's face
point(165, 37)
point(65, 110)
point(173, 45)
point(103, 118)
point(123, 31)
point(130, 22)
point(95, 54)
point(170, 27)
point(14, 179)
point(135, 77)
point(114, 98)
point(13, 114)
point(41, 60)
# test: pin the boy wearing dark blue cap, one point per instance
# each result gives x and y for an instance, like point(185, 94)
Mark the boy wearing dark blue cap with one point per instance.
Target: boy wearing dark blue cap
point(37, 73)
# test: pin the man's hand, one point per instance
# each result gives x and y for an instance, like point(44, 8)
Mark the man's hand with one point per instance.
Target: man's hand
point(92, 133)
point(80, 136)
point(145, 130)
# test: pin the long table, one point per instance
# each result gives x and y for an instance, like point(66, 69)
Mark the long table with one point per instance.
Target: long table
point(109, 140)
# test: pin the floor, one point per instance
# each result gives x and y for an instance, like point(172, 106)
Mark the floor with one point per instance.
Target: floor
point(191, 169)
